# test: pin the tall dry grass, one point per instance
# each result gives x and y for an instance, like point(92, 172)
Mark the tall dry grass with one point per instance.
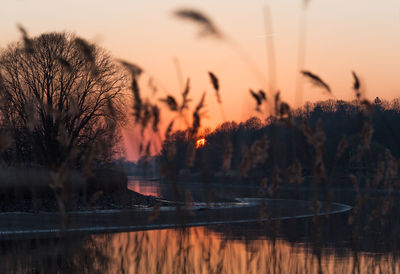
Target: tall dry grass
point(208, 250)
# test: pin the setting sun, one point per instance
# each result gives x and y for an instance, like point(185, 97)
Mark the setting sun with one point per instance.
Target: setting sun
point(200, 143)
point(200, 136)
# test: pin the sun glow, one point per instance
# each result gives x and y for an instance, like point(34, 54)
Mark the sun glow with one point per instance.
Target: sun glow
point(200, 143)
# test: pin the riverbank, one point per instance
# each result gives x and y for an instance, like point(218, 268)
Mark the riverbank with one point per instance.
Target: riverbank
point(40, 190)
point(126, 200)
point(49, 224)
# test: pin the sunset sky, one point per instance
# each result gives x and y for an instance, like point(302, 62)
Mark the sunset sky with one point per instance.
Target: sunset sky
point(341, 36)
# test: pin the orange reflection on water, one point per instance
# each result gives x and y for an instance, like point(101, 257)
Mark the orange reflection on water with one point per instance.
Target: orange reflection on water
point(201, 250)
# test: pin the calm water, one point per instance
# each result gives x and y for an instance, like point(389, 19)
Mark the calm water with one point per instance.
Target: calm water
point(339, 243)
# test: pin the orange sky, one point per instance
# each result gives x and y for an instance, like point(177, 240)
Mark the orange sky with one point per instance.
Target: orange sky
point(341, 35)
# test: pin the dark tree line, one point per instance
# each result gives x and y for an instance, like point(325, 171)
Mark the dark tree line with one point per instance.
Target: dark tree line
point(340, 123)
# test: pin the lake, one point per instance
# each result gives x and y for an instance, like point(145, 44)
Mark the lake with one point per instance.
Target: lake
point(344, 242)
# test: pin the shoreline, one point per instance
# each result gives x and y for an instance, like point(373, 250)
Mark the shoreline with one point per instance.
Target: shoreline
point(124, 200)
point(14, 225)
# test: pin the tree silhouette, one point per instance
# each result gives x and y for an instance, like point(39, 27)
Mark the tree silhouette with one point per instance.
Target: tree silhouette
point(288, 143)
point(61, 99)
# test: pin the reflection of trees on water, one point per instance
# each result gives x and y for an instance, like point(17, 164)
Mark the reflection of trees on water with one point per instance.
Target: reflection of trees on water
point(200, 250)
point(374, 222)
point(281, 246)
point(376, 234)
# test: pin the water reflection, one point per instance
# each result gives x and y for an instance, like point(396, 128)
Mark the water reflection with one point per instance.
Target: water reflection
point(327, 244)
point(201, 250)
point(145, 187)
point(193, 250)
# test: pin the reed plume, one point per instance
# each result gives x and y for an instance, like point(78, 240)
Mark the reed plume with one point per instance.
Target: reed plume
point(143, 111)
point(156, 117)
point(208, 28)
point(258, 99)
point(200, 105)
point(316, 80)
point(215, 83)
point(28, 43)
point(170, 102)
point(137, 100)
point(87, 51)
point(85, 48)
point(134, 69)
point(356, 85)
point(146, 115)
point(185, 99)
point(197, 116)
point(262, 95)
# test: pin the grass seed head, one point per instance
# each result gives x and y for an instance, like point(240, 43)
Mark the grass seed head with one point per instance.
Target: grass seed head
point(215, 83)
point(156, 117)
point(356, 85)
point(207, 26)
point(316, 80)
point(170, 102)
point(28, 43)
point(256, 97)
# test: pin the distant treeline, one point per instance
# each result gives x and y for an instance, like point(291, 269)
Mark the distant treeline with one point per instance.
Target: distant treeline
point(349, 137)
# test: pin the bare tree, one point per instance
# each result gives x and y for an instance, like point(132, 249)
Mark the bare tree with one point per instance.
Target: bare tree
point(61, 97)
